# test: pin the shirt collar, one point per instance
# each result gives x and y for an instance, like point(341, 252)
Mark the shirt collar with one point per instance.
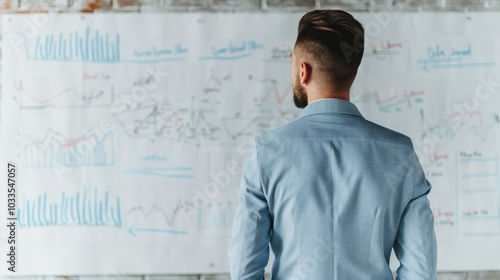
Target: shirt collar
point(330, 105)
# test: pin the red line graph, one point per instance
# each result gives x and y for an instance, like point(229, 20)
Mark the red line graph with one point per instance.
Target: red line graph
point(271, 90)
point(54, 149)
point(391, 99)
point(465, 115)
point(42, 102)
point(53, 137)
point(67, 97)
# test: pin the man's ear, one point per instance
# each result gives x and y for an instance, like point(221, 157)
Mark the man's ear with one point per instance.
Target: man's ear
point(305, 73)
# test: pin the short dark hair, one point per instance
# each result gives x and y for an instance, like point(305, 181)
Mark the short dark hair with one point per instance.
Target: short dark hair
point(333, 41)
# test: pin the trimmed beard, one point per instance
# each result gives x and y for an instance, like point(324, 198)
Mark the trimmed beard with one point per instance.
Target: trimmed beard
point(299, 96)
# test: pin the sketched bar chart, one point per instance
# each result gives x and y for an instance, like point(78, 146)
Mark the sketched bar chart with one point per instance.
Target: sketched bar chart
point(80, 209)
point(216, 215)
point(217, 219)
point(90, 45)
point(477, 194)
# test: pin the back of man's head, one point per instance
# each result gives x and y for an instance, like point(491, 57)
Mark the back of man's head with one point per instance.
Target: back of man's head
point(332, 42)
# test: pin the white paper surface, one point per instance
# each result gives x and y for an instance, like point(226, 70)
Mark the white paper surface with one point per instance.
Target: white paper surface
point(130, 130)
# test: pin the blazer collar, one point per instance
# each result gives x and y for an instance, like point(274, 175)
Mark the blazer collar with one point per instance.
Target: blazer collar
point(329, 106)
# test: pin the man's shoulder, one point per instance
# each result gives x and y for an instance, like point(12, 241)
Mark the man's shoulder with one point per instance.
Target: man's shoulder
point(389, 135)
point(280, 133)
point(362, 129)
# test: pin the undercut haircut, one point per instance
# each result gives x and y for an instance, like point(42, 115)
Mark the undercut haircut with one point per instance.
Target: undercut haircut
point(332, 43)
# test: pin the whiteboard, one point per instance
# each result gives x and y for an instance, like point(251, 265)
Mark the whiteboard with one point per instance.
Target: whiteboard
point(129, 131)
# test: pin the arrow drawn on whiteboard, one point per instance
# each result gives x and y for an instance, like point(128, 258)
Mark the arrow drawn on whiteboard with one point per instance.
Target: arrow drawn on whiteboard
point(133, 230)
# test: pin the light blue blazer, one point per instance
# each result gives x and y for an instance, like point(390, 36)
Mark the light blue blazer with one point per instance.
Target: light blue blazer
point(331, 194)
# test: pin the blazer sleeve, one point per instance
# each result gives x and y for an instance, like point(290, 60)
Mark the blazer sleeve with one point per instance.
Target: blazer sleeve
point(415, 245)
point(248, 251)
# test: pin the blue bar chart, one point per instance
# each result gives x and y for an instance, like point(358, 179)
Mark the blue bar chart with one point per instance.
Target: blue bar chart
point(92, 45)
point(81, 208)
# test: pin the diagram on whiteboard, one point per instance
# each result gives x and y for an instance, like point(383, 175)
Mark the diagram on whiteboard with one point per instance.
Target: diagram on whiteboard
point(131, 139)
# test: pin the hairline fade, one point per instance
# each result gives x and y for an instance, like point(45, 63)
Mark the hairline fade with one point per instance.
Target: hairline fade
point(333, 43)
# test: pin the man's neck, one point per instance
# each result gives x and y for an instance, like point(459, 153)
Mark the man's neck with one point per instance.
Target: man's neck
point(311, 99)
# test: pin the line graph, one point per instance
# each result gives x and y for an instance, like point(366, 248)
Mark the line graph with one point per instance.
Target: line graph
point(270, 90)
point(407, 98)
point(473, 122)
point(175, 120)
point(156, 219)
point(168, 219)
point(238, 127)
point(242, 125)
point(178, 120)
point(196, 121)
point(80, 209)
point(67, 98)
point(55, 150)
point(215, 83)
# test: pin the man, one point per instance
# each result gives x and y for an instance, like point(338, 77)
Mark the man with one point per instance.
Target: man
point(331, 192)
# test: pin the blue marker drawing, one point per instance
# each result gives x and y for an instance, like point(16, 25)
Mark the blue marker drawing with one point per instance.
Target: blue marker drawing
point(480, 190)
point(134, 230)
point(473, 122)
point(92, 46)
point(438, 58)
point(233, 51)
point(479, 174)
point(155, 54)
point(54, 150)
point(77, 209)
point(233, 57)
point(477, 177)
point(148, 61)
point(166, 172)
point(144, 214)
point(67, 98)
point(216, 216)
